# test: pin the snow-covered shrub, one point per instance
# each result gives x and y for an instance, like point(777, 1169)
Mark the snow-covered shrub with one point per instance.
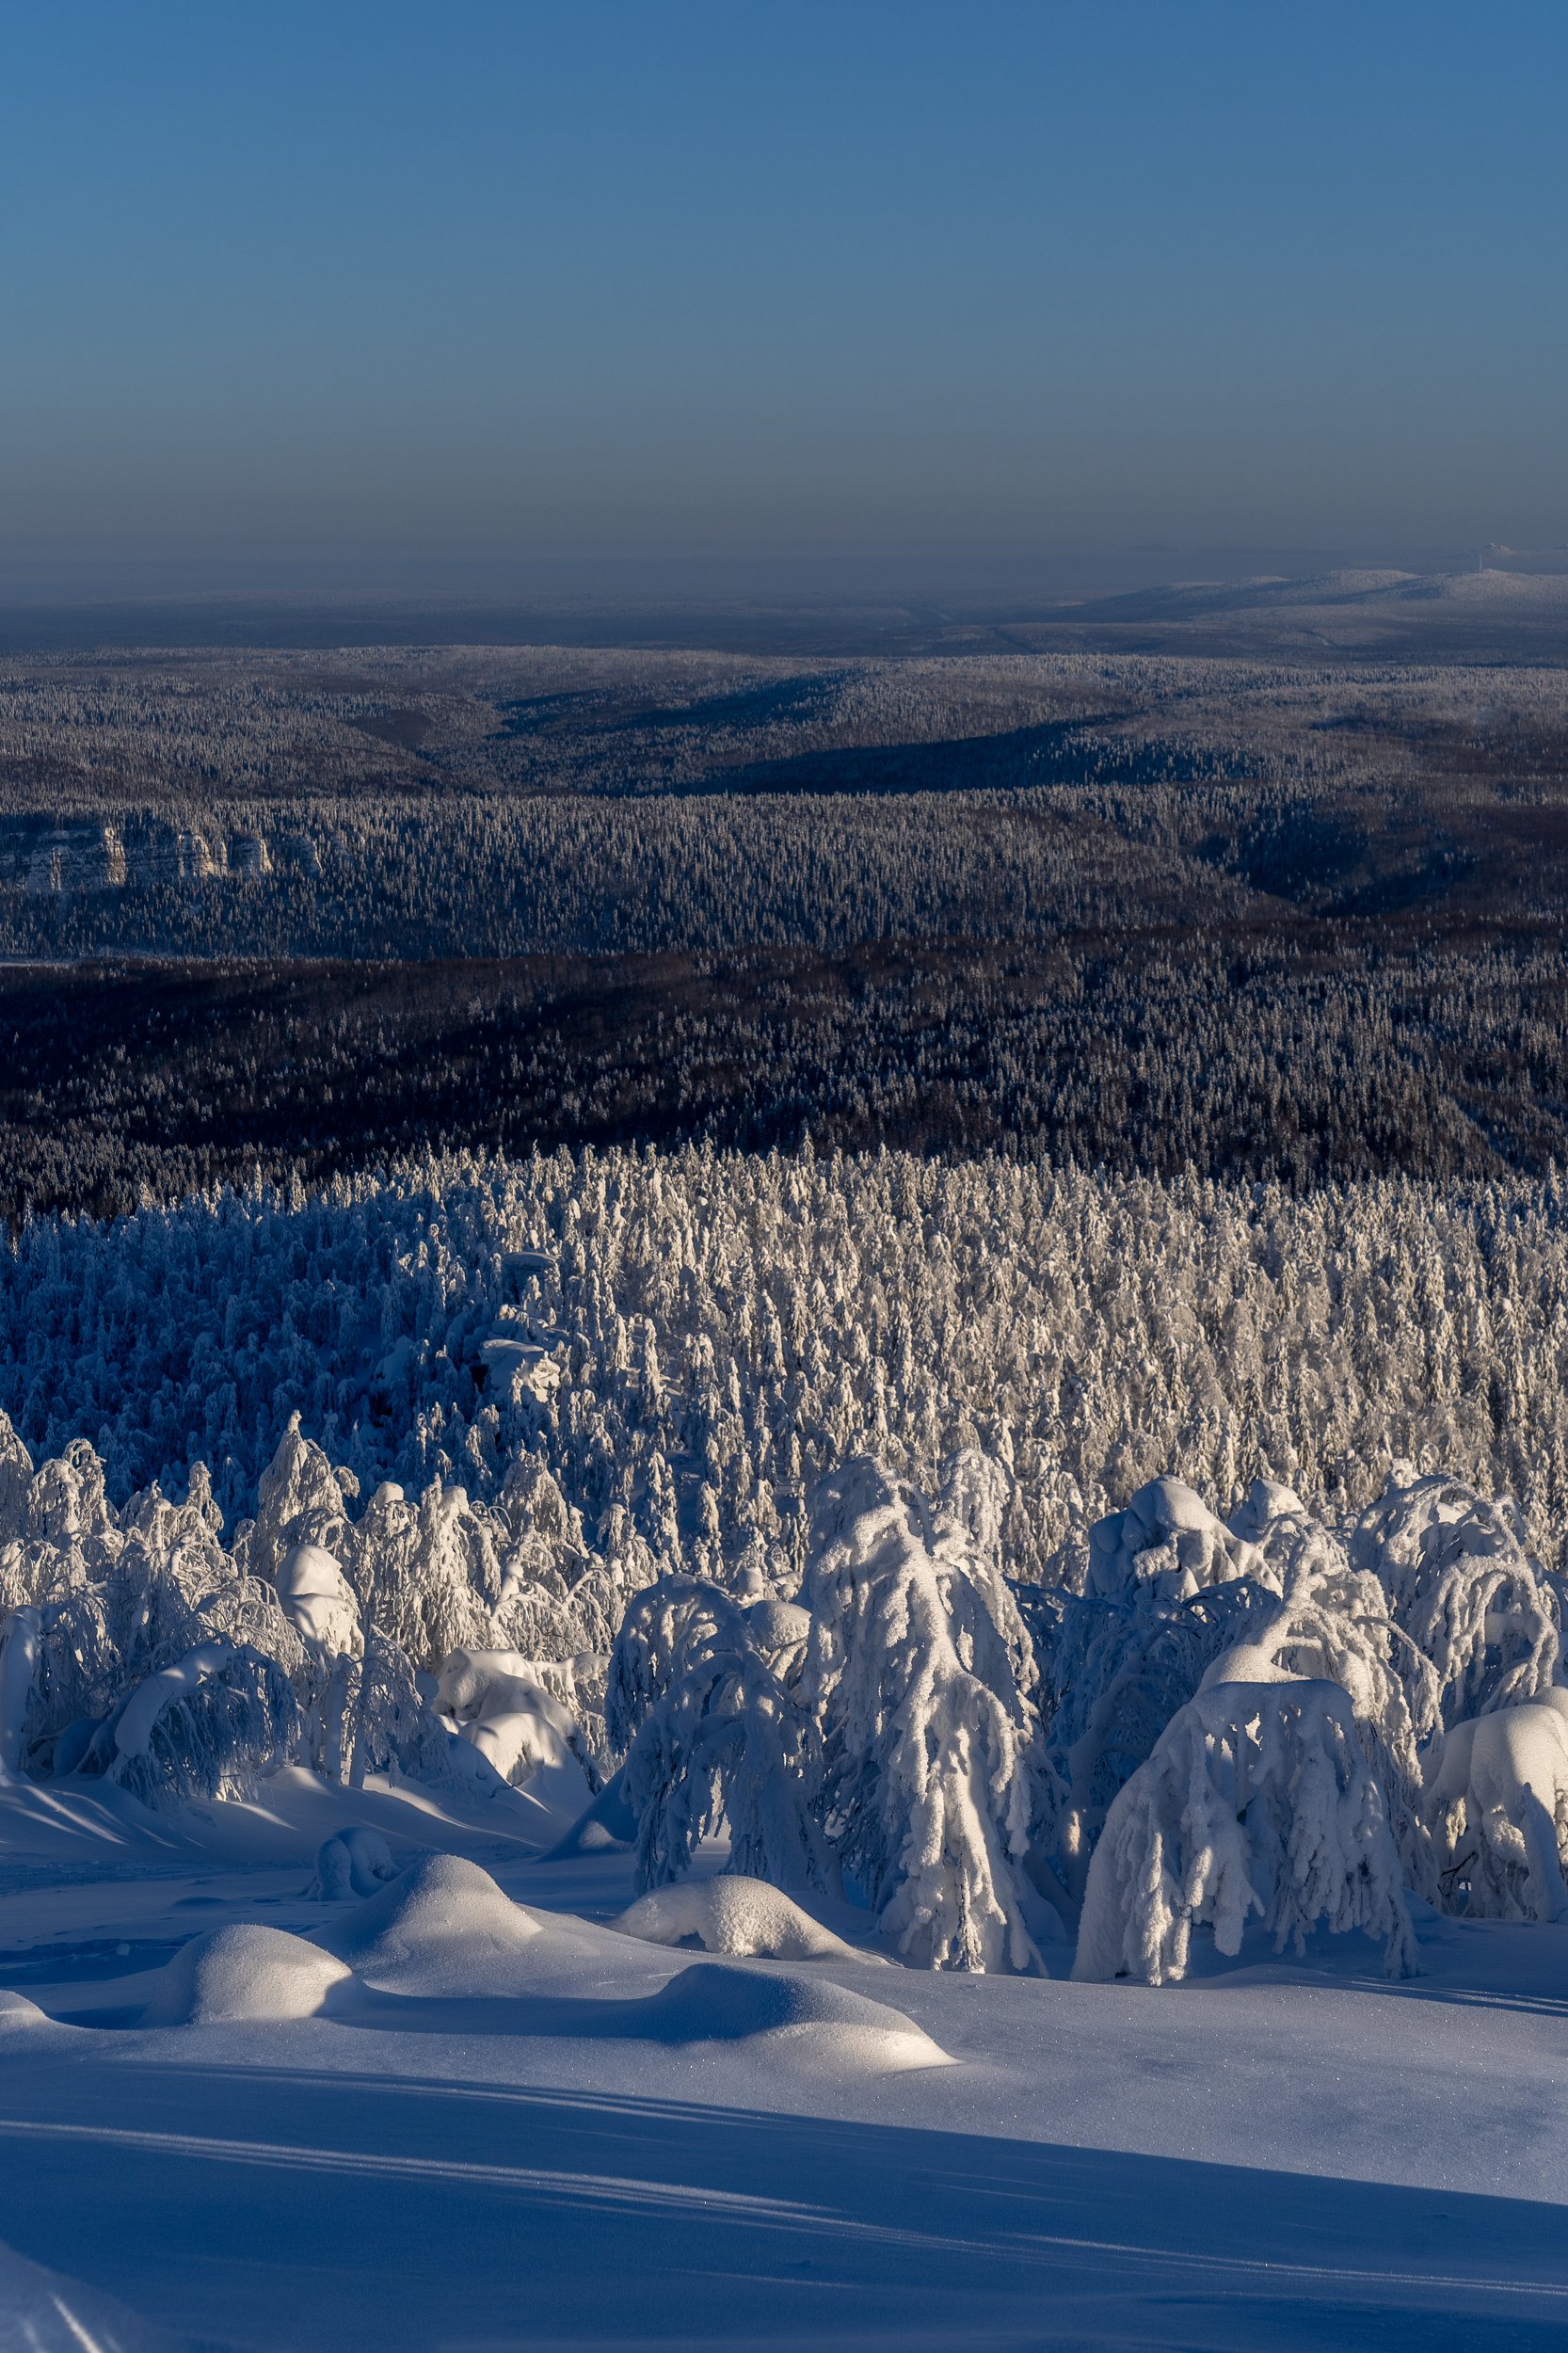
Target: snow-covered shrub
point(1498, 1797)
point(737, 1917)
point(209, 1725)
point(354, 1861)
point(927, 1788)
point(114, 1602)
point(1257, 1800)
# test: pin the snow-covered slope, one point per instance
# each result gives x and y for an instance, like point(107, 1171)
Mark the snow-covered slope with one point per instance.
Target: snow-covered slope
point(619, 2144)
point(443, 1918)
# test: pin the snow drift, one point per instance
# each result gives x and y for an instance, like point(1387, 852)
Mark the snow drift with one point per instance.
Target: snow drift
point(243, 1973)
point(733, 1915)
point(442, 1923)
point(808, 2024)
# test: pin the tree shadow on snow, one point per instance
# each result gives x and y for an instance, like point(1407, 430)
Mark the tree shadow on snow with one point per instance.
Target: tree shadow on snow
point(351, 2211)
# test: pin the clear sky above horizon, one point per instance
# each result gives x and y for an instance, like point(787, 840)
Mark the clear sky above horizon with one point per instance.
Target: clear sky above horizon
point(387, 278)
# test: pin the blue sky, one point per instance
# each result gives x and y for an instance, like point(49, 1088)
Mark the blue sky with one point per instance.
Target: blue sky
point(981, 282)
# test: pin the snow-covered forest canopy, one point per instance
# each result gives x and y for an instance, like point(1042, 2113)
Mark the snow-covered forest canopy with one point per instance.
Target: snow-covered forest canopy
point(316, 909)
point(510, 801)
point(933, 1529)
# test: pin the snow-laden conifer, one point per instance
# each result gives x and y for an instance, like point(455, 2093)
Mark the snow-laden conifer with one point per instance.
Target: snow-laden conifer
point(1257, 1800)
point(927, 1791)
point(701, 1702)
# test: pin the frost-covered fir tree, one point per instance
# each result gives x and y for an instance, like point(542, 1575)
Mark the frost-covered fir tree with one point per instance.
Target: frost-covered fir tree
point(927, 1782)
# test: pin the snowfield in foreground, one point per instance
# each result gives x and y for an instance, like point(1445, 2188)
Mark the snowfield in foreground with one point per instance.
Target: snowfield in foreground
point(466, 2110)
point(711, 1803)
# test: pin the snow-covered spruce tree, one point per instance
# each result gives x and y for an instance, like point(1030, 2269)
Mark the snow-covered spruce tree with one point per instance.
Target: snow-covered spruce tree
point(927, 1788)
point(300, 1499)
point(701, 1701)
point(1257, 1800)
point(1481, 1621)
point(1123, 1662)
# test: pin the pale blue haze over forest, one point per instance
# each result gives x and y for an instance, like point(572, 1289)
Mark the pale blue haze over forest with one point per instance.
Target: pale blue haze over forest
point(874, 282)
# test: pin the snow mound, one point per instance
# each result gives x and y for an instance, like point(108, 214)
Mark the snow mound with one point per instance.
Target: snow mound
point(809, 2023)
point(736, 1916)
point(40, 2311)
point(778, 1625)
point(19, 2016)
point(356, 1862)
point(444, 1915)
point(243, 1972)
point(493, 1701)
point(1166, 1536)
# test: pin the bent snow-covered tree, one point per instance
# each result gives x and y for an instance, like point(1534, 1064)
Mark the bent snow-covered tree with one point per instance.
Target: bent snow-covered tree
point(700, 1700)
point(1257, 1800)
point(928, 1774)
point(1480, 1618)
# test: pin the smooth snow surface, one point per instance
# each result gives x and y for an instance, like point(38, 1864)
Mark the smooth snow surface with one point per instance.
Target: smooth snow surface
point(42, 2312)
point(504, 2123)
point(734, 1915)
